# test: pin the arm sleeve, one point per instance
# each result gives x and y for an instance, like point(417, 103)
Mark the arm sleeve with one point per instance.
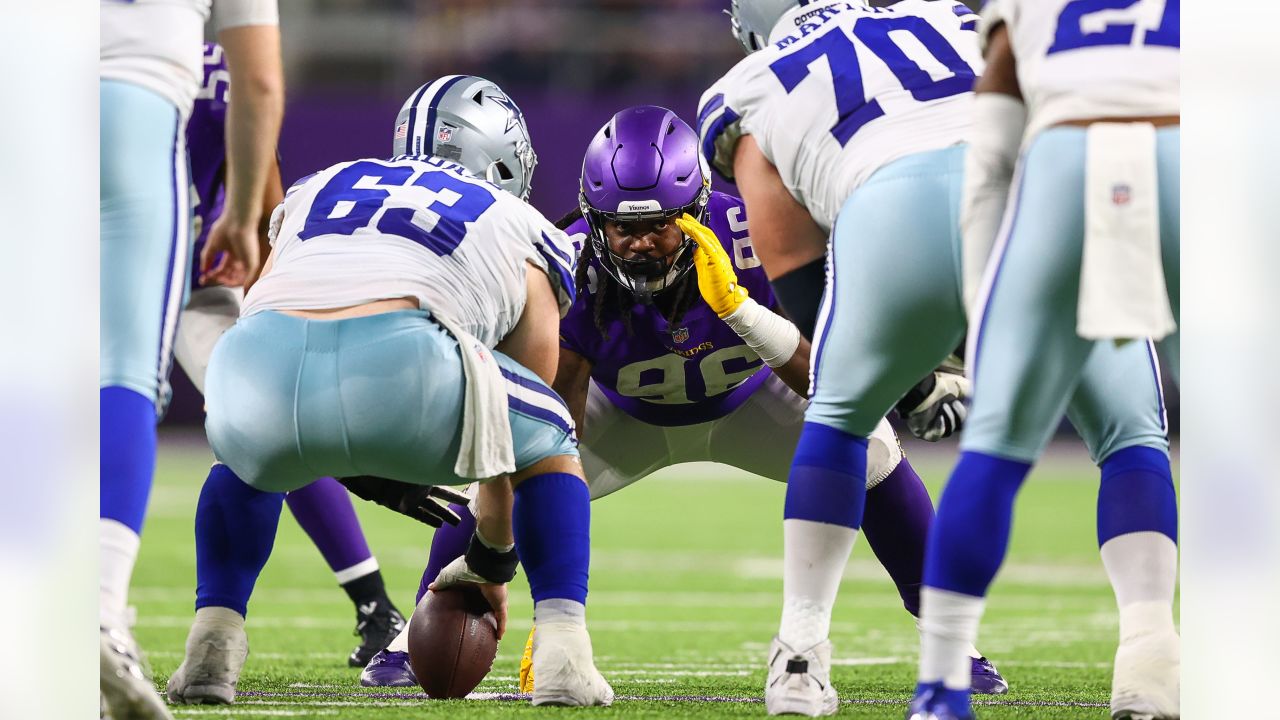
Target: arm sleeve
point(238, 13)
point(558, 259)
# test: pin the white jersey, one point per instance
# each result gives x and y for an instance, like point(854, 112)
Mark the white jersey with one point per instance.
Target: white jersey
point(371, 230)
point(844, 89)
point(1077, 61)
point(157, 44)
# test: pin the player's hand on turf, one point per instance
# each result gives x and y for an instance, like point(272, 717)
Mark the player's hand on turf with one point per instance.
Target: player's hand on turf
point(231, 254)
point(716, 279)
point(941, 411)
point(459, 573)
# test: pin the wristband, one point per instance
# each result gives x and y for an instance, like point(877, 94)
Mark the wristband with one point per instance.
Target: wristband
point(494, 566)
point(773, 337)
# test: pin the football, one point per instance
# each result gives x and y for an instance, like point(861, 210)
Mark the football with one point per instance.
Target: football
point(453, 639)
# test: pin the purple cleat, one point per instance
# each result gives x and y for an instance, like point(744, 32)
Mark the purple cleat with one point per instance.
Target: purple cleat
point(986, 679)
point(388, 669)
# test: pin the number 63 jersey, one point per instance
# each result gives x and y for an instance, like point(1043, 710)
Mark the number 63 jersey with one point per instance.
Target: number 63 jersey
point(844, 89)
point(411, 227)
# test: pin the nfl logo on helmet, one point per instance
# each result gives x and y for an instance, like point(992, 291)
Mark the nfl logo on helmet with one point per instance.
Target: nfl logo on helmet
point(444, 134)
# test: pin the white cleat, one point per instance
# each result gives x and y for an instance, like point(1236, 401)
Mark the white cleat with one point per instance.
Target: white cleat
point(800, 682)
point(127, 692)
point(566, 672)
point(1145, 685)
point(216, 650)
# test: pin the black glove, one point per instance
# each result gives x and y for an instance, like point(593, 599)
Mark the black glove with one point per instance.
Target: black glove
point(425, 503)
point(934, 409)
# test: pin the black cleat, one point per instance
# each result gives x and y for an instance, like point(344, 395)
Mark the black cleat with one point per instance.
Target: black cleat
point(378, 622)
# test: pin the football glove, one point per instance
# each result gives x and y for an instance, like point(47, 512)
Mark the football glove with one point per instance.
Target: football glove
point(935, 409)
point(425, 503)
point(716, 279)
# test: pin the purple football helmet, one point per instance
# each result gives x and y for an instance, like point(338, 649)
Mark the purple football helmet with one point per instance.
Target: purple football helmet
point(643, 165)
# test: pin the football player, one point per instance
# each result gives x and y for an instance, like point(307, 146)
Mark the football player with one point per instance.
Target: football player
point(1089, 95)
point(149, 76)
point(661, 364)
point(405, 327)
point(845, 128)
point(323, 508)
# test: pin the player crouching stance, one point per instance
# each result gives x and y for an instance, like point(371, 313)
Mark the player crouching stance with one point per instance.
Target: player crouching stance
point(662, 365)
point(405, 327)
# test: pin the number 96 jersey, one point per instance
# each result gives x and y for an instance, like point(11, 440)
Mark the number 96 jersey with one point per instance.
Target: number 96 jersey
point(691, 371)
point(417, 227)
point(844, 89)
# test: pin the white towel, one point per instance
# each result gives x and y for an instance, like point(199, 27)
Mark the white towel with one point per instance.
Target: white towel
point(1122, 286)
point(487, 449)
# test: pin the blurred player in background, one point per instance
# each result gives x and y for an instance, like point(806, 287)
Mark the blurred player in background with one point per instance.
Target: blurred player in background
point(848, 121)
point(150, 74)
point(1080, 265)
point(370, 347)
point(662, 365)
point(323, 508)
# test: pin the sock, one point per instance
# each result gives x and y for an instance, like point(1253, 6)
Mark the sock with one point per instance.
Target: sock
point(825, 494)
point(235, 531)
point(117, 551)
point(947, 630)
point(1137, 534)
point(447, 544)
point(967, 544)
point(552, 524)
point(324, 511)
point(127, 455)
point(366, 589)
point(559, 610)
point(896, 522)
point(1136, 495)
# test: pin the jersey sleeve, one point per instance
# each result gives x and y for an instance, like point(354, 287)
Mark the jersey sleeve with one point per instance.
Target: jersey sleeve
point(238, 13)
point(722, 111)
point(556, 257)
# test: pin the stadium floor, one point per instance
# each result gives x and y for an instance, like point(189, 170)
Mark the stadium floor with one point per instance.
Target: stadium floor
point(685, 594)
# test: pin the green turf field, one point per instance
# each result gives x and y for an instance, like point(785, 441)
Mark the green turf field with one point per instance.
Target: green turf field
point(685, 594)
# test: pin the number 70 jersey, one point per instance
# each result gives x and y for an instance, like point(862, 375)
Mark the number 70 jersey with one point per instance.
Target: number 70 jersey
point(844, 89)
point(411, 227)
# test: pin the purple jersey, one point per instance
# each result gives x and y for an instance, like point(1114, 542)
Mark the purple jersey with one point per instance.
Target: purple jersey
point(693, 371)
point(207, 148)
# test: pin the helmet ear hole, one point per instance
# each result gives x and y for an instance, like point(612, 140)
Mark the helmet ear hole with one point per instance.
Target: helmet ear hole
point(503, 171)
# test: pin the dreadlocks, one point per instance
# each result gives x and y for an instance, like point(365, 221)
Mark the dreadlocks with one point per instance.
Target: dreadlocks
point(615, 299)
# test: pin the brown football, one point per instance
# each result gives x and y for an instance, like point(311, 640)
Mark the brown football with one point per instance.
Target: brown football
point(453, 640)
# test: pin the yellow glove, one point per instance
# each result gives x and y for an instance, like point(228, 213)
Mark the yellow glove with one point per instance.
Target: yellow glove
point(526, 665)
point(716, 280)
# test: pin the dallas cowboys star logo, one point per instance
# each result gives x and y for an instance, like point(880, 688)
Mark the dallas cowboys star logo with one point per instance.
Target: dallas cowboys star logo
point(514, 116)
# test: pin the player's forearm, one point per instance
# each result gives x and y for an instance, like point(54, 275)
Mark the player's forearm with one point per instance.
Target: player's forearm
point(494, 502)
point(254, 113)
point(999, 118)
point(795, 372)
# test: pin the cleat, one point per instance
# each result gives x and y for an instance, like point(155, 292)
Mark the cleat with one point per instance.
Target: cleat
point(389, 669)
point(216, 650)
point(928, 705)
point(126, 690)
point(567, 673)
point(526, 665)
point(986, 679)
point(799, 683)
point(1145, 685)
point(377, 623)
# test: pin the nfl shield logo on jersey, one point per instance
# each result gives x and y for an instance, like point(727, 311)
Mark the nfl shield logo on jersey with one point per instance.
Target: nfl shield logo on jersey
point(1120, 194)
point(680, 335)
point(444, 134)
